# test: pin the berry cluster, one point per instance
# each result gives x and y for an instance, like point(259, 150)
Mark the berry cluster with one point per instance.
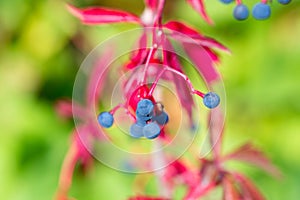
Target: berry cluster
point(148, 120)
point(260, 11)
point(150, 116)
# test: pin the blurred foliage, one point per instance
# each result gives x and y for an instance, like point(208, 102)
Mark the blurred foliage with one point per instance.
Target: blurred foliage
point(42, 46)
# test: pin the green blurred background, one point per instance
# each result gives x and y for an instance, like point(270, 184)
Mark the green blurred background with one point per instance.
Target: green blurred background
point(42, 46)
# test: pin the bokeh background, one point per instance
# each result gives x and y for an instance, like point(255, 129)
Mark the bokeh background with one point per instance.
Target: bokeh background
point(42, 47)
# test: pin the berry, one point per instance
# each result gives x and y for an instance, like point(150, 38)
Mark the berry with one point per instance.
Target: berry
point(211, 100)
point(144, 110)
point(226, 1)
point(241, 12)
point(151, 130)
point(144, 119)
point(136, 130)
point(162, 118)
point(140, 122)
point(284, 1)
point(105, 119)
point(261, 11)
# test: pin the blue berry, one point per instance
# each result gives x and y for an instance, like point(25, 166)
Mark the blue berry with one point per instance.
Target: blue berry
point(144, 110)
point(106, 119)
point(161, 119)
point(140, 122)
point(211, 100)
point(284, 1)
point(151, 130)
point(261, 11)
point(136, 130)
point(226, 1)
point(241, 12)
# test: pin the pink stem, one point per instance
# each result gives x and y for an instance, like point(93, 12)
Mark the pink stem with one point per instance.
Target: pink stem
point(155, 82)
point(68, 167)
point(264, 1)
point(238, 2)
point(193, 90)
point(130, 115)
point(157, 22)
point(158, 17)
point(116, 108)
point(200, 94)
point(112, 111)
point(151, 52)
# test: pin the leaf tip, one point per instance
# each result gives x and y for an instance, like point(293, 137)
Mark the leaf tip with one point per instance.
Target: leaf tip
point(74, 11)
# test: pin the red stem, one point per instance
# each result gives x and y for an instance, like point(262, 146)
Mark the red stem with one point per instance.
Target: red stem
point(151, 52)
point(155, 82)
point(116, 108)
point(112, 111)
point(158, 17)
point(157, 23)
point(166, 68)
point(66, 174)
point(238, 2)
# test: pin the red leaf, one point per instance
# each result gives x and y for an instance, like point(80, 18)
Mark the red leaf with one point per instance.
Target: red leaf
point(249, 190)
point(136, 59)
point(248, 153)
point(199, 191)
point(96, 84)
point(100, 15)
point(64, 108)
point(216, 128)
point(182, 28)
point(202, 60)
point(138, 56)
point(230, 192)
point(213, 55)
point(198, 5)
point(147, 198)
point(207, 180)
point(194, 36)
point(179, 169)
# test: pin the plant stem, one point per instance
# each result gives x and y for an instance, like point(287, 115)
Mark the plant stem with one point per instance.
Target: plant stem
point(156, 81)
point(150, 54)
point(166, 68)
point(158, 17)
point(116, 108)
point(238, 2)
point(112, 111)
